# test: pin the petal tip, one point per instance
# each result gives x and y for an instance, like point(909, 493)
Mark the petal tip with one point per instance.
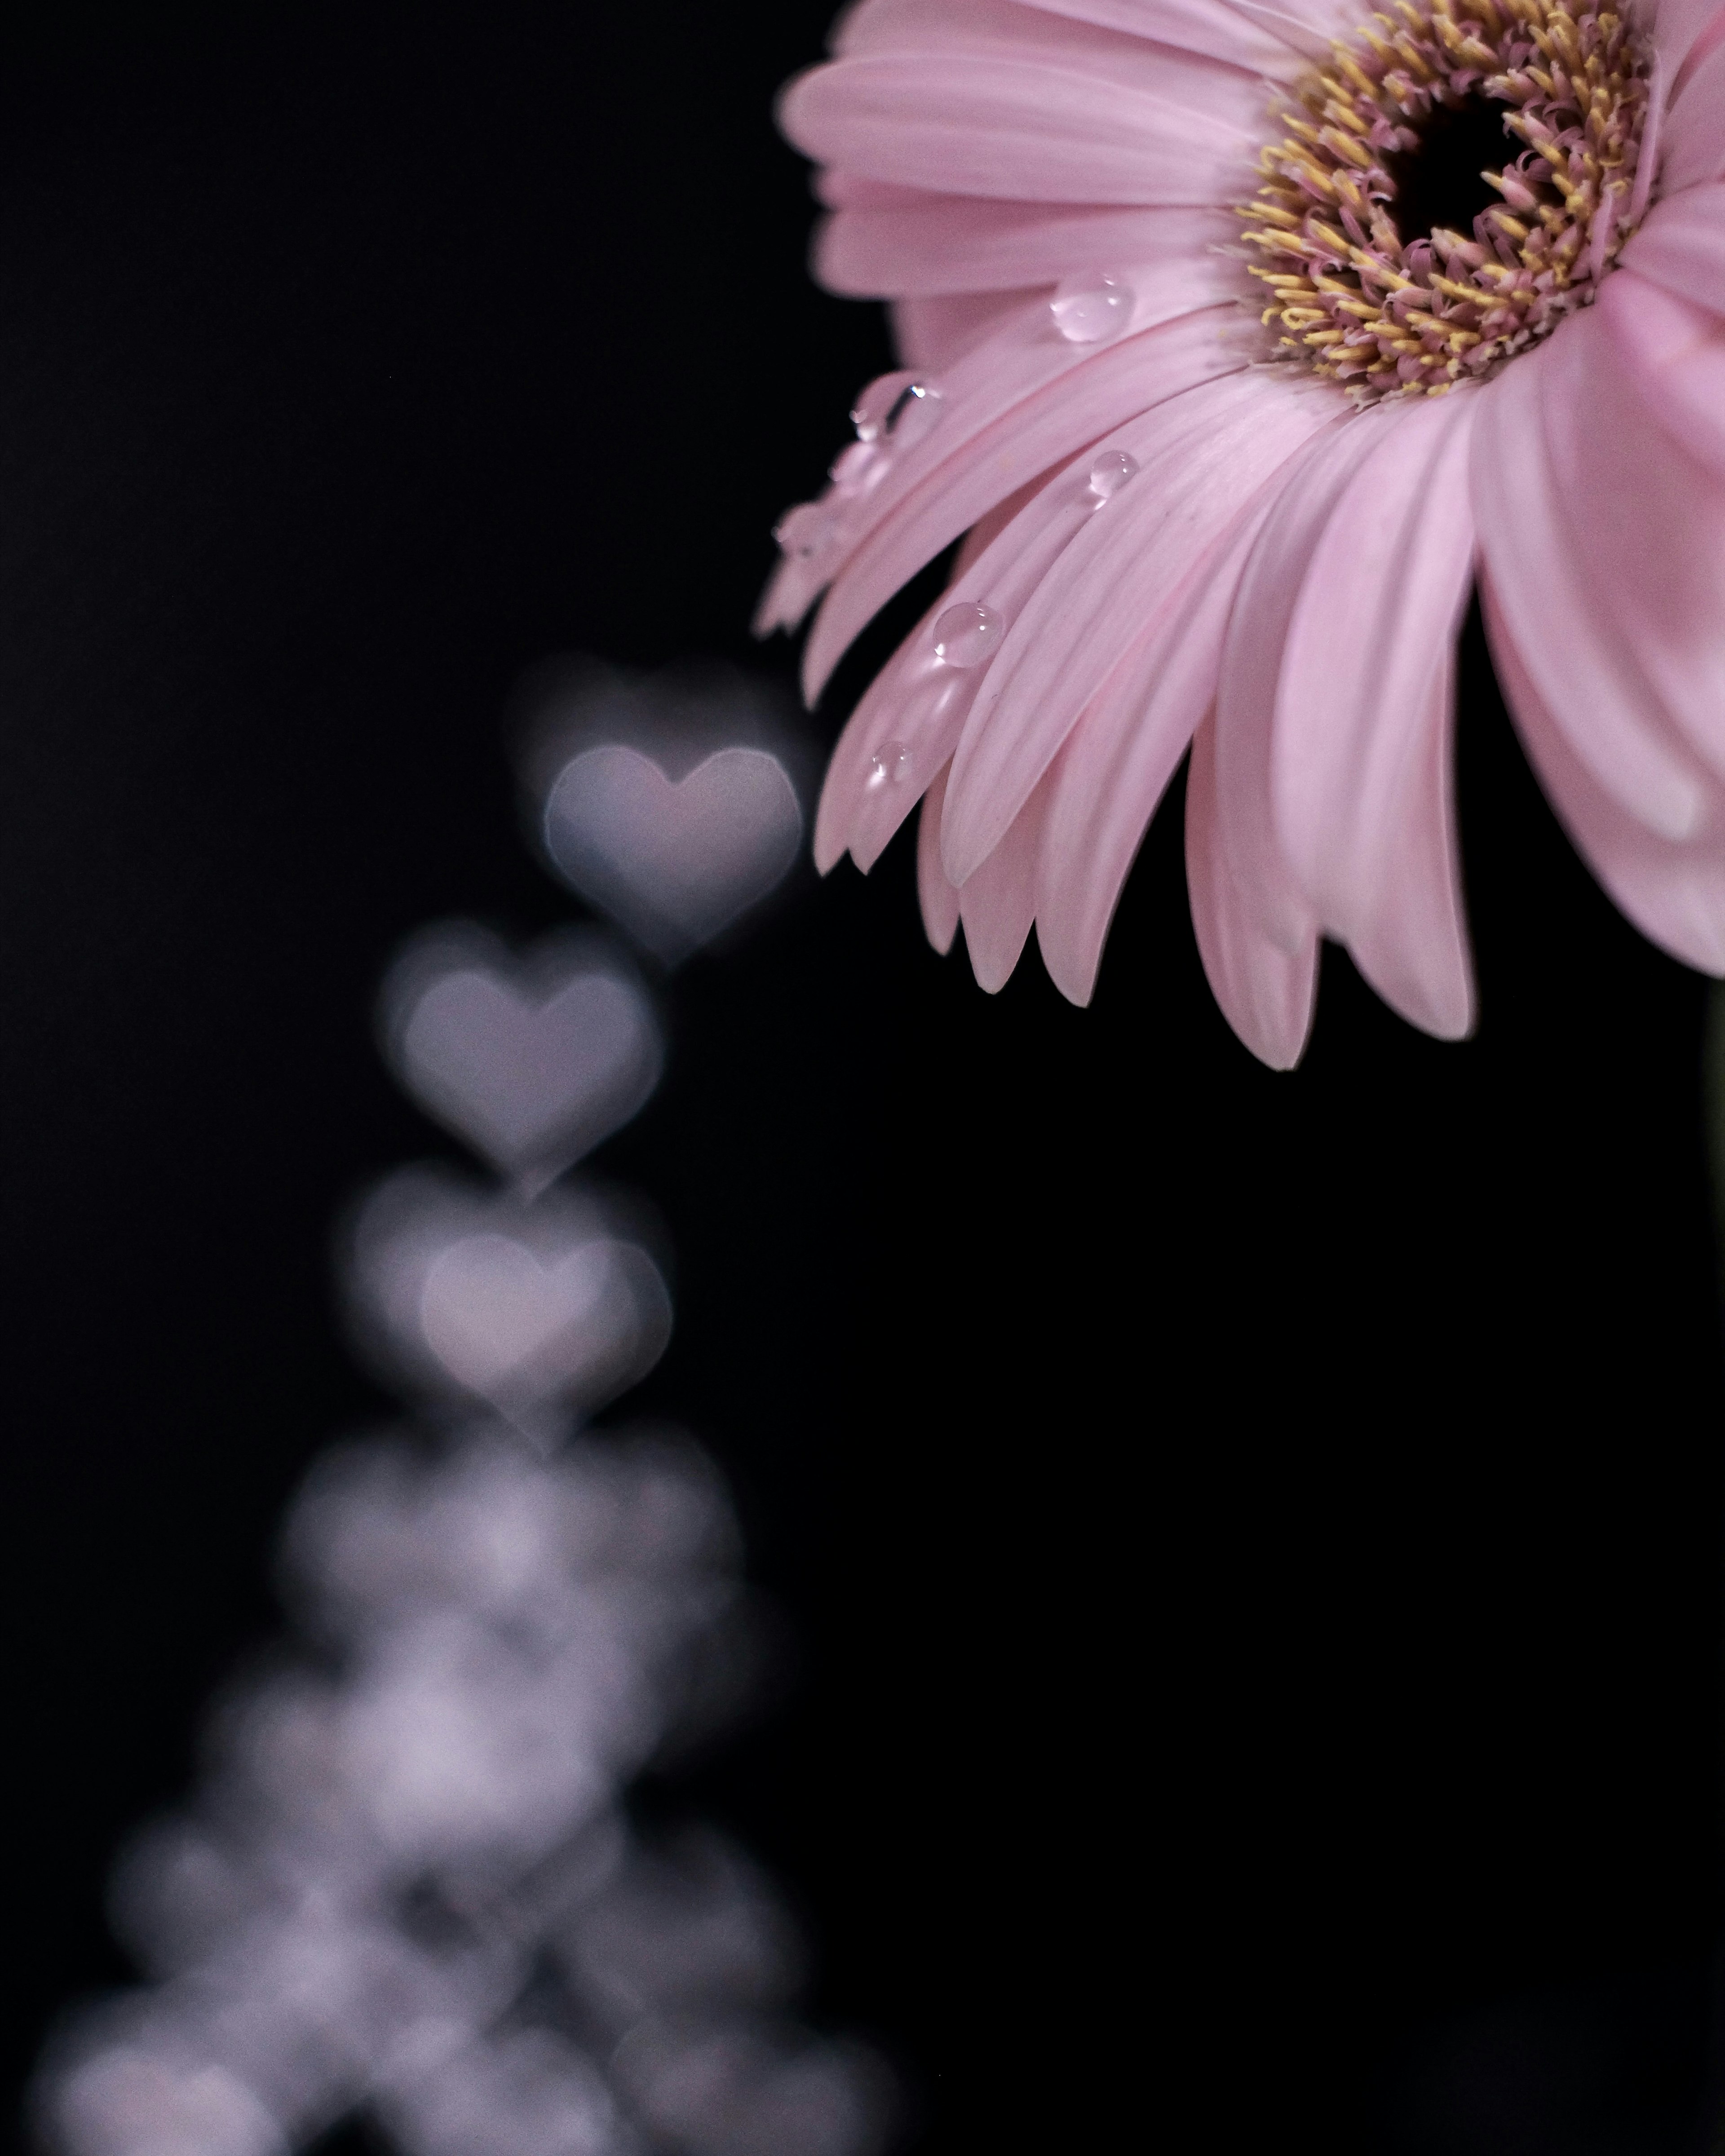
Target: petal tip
point(1076, 983)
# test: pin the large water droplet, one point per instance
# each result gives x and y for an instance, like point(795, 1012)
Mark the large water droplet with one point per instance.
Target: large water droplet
point(1110, 473)
point(805, 531)
point(968, 634)
point(1090, 308)
point(891, 764)
point(874, 401)
point(917, 408)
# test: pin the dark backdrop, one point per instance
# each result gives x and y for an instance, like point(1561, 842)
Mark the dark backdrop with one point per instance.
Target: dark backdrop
point(1254, 1541)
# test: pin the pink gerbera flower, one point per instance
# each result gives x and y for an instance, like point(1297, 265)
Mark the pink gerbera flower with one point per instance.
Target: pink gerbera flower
point(1241, 339)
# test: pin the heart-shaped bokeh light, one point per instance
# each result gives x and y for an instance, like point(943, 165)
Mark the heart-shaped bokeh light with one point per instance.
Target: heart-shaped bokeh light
point(532, 1059)
point(497, 1316)
point(533, 1309)
point(673, 861)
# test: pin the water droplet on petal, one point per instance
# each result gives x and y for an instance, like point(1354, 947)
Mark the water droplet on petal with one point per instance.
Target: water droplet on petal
point(1090, 308)
point(1110, 473)
point(916, 411)
point(805, 531)
point(873, 409)
point(889, 765)
point(967, 634)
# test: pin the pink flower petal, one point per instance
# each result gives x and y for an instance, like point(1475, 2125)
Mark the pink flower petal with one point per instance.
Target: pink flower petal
point(1574, 657)
point(1681, 248)
point(791, 590)
point(1038, 129)
point(1308, 27)
point(1676, 25)
point(1210, 27)
point(1265, 890)
point(1360, 753)
point(942, 243)
point(957, 32)
point(1265, 991)
point(987, 529)
point(1695, 129)
point(1655, 565)
point(1674, 894)
point(1706, 41)
point(916, 704)
point(838, 189)
point(1010, 415)
point(1024, 357)
point(998, 902)
point(1120, 756)
point(1674, 353)
point(933, 334)
point(914, 709)
point(1201, 457)
point(892, 700)
point(1413, 949)
point(938, 899)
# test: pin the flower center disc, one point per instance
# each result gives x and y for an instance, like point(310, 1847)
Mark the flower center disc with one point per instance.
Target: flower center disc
point(1459, 178)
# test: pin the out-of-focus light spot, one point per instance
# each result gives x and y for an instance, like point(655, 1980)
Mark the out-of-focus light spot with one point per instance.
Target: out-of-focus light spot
point(530, 1308)
point(149, 2106)
point(525, 2094)
point(675, 863)
point(410, 1888)
point(533, 1060)
point(693, 1924)
point(743, 2089)
point(499, 1318)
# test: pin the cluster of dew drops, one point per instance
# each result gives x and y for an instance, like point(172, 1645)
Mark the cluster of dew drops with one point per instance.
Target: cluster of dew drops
point(891, 413)
point(899, 409)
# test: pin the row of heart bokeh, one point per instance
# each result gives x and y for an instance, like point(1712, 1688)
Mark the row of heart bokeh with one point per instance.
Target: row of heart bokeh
point(409, 1889)
point(524, 1297)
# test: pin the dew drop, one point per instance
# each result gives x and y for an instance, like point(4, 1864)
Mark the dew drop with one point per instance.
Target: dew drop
point(917, 408)
point(805, 532)
point(1090, 308)
point(889, 765)
point(1110, 473)
point(967, 634)
point(872, 412)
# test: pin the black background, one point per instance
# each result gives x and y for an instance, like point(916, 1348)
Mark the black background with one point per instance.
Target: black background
point(1254, 1541)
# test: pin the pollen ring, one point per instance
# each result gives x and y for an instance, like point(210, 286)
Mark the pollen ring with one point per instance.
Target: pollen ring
point(1388, 311)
